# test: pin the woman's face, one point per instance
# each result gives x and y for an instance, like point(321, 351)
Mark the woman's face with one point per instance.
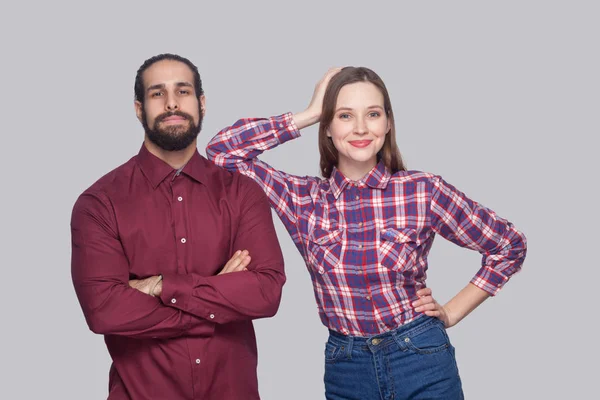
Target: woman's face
point(358, 128)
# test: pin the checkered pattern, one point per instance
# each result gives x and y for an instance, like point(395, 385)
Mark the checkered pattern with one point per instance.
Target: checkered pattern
point(366, 243)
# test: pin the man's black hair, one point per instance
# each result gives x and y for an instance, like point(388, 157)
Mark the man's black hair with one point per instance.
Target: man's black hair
point(139, 84)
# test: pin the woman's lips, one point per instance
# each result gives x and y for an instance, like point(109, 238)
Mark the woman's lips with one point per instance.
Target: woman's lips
point(360, 143)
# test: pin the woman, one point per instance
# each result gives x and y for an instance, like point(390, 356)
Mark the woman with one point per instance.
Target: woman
point(365, 230)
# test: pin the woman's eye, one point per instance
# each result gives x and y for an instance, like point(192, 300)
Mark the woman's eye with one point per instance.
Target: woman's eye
point(344, 116)
point(374, 114)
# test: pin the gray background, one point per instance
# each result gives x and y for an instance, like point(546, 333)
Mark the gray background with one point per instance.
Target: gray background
point(500, 98)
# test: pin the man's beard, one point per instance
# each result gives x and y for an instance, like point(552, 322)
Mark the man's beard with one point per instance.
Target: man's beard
point(173, 137)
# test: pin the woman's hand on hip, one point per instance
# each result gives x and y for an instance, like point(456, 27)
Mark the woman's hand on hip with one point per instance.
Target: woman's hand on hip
point(429, 306)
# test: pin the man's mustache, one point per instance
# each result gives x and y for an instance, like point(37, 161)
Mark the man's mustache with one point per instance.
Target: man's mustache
point(181, 114)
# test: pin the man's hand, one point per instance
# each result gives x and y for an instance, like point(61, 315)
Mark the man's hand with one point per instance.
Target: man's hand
point(151, 285)
point(238, 262)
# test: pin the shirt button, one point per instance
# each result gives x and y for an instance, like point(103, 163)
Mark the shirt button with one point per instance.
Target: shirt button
point(180, 198)
point(360, 224)
point(183, 240)
point(173, 301)
point(360, 246)
point(212, 316)
point(321, 270)
point(368, 297)
point(197, 361)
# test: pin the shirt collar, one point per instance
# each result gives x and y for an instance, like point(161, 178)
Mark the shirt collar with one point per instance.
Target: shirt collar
point(156, 170)
point(377, 178)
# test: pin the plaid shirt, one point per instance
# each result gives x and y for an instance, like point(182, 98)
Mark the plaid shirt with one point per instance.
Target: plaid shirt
point(366, 242)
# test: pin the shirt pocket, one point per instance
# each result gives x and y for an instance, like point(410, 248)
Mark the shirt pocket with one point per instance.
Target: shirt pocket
point(397, 247)
point(324, 249)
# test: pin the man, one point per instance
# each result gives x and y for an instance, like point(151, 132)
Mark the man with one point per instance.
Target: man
point(161, 255)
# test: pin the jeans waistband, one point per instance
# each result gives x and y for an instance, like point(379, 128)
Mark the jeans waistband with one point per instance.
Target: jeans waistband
point(420, 323)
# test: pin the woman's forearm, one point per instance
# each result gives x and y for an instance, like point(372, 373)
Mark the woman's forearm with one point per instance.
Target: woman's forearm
point(464, 302)
point(305, 118)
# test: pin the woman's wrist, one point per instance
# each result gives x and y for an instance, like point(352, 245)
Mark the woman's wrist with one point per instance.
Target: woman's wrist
point(306, 118)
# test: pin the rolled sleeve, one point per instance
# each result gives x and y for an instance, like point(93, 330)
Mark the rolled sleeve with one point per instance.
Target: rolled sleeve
point(471, 225)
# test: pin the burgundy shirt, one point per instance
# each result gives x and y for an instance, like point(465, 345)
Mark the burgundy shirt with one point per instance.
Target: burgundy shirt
point(197, 340)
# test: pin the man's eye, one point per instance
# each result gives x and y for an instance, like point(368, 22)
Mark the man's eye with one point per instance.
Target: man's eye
point(184, 92)
point(156, 94)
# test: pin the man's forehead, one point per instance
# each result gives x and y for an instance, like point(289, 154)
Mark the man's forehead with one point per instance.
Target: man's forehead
point(167, 71)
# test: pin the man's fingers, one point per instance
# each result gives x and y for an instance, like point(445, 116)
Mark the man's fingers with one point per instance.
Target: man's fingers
point(245, 263)
point(238, 262)
point(235, 260)
point(242, 264)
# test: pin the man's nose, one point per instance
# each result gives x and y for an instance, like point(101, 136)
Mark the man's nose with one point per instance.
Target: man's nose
point(171, 103)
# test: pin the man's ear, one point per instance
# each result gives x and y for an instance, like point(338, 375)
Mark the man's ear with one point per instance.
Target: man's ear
point(202, 100)
point(138, 110)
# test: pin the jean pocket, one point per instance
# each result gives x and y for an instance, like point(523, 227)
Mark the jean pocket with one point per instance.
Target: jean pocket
point(324, 249)
point(397, 248)
point(431, 340)
point(333, 351)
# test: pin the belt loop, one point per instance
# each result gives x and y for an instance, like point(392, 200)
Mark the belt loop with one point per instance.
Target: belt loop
point(398, 339)
point(349, 349)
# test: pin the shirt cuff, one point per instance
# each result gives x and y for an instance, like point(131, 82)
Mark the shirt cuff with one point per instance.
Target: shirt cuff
point(176, 291)
point(285, 127)
point(489, 280)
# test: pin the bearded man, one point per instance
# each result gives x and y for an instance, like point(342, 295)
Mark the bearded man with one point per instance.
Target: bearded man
point(173, 257)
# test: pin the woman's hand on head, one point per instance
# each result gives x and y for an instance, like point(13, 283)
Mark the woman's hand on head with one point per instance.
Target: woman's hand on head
point(312, 114)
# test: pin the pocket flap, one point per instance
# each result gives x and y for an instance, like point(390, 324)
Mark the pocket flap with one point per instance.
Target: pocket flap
point(323, 237)
point(400, 235)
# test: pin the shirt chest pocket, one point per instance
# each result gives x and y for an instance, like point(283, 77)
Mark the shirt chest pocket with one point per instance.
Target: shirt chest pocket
point(397, 248)
point(324, 249)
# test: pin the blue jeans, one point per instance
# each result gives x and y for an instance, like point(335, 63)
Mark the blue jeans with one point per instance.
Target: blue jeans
point(415, 361)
